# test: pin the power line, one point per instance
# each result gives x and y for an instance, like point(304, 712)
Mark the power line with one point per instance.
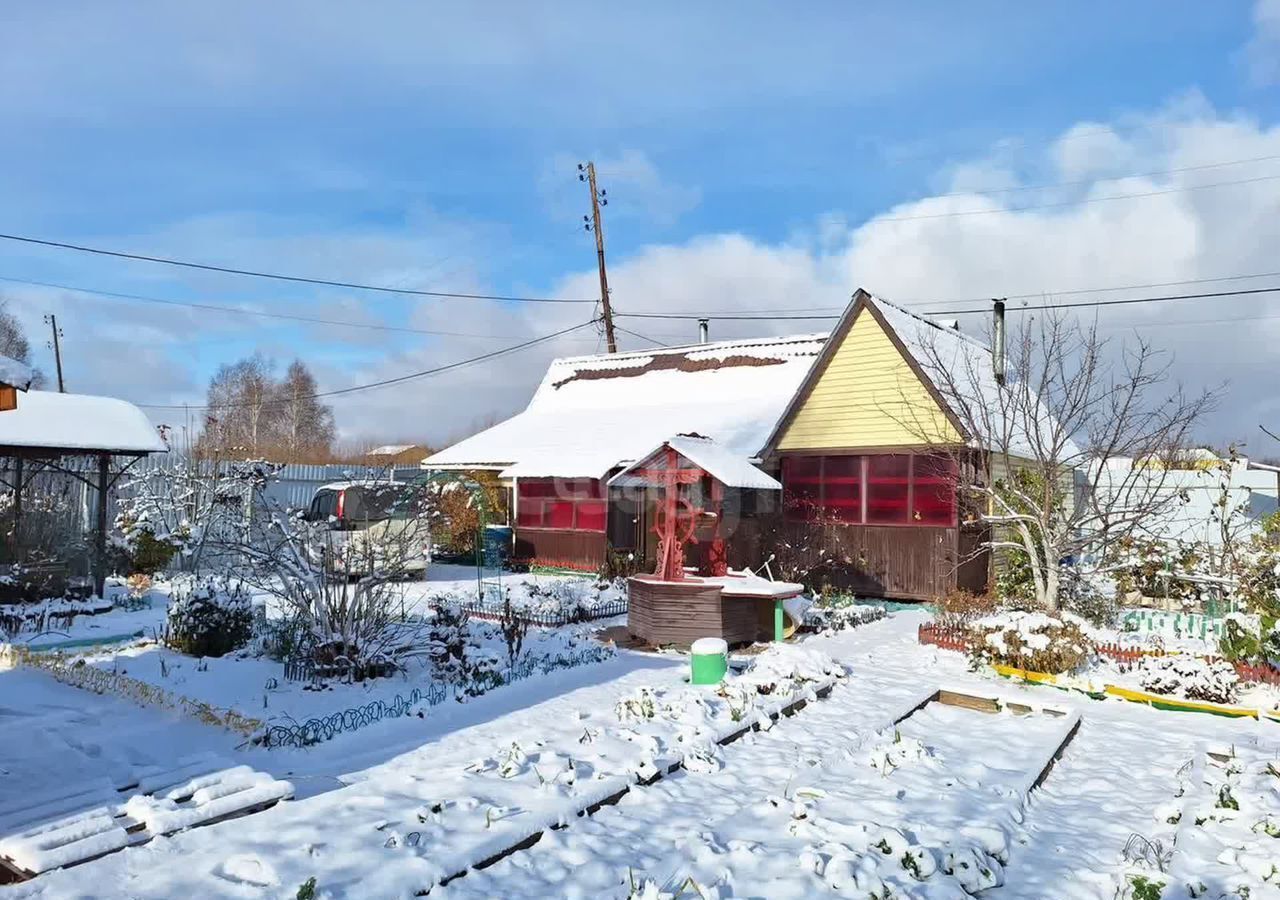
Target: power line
point(1084, 181)
point(299, 279)
point(1123, 301)
point(211, 307)
point(642, 337)
point(425, 373)
point(957, 312)
point(1101, 290)
point(723, 318)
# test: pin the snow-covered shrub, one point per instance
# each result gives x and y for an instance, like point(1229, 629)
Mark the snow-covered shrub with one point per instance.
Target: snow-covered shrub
point(482, 673)
point(1030, 640)
point(1241, 637)
point(840, 618)
point(209, 618)
point(1150, 568)
point(1189, 677)
point(449, 642)
point(957, 608)
point(1090, 602)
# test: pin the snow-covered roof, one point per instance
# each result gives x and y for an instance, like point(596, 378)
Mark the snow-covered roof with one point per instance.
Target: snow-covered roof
point(391, 450)
point(729, 468)
point(593, 413)
point(14, 373)
point(78, 422)
point(936, 344)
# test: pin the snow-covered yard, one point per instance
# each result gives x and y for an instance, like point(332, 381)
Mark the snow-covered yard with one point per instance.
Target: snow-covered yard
point(803, 808)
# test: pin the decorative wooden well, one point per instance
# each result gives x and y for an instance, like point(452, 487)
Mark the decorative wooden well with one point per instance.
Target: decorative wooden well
point(674, 606)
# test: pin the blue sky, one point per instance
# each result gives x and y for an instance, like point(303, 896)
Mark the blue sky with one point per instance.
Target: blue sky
point(749, 150)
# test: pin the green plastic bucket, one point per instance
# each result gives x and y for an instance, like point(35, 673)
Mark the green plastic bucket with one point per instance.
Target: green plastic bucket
point(709, 659)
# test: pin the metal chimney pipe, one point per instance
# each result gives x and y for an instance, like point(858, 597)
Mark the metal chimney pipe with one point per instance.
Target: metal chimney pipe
point(997, 340)
point(703, 329)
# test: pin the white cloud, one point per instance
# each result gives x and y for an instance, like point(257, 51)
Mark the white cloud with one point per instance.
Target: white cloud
point(1169, 237)
point(1262, 55)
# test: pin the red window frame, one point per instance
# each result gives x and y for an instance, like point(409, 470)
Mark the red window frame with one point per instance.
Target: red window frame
point(897, 489)
point(562, 504)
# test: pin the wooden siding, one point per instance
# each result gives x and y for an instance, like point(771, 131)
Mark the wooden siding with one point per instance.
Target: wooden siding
point(551, 545)
point(899, 562)
point(868, 396)
point(666, 613)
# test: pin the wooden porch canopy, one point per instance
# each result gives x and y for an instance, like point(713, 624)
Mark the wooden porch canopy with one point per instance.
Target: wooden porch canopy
point(46, 429)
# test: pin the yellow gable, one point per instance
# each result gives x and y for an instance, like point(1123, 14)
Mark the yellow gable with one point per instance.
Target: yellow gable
point(869, 396)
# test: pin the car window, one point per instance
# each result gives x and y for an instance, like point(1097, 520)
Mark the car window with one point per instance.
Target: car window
point(323, 505)
point(371, 503)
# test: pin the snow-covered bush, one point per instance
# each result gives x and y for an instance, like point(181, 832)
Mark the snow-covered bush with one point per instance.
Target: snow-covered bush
point(957, 608)
point(840, 618)
point(1241, 637)
point(1189, 677)
point(449, 643)
point(1082, 596)
point(1030, 640)
point(209, 618)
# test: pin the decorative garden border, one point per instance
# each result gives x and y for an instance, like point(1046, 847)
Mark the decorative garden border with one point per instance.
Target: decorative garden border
point(77, 673)
point(493, 612)
point(958, 639)
point(324, 728)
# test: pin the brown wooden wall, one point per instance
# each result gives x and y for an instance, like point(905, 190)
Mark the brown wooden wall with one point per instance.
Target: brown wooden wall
point(663, 613)
point(895, 562)
point(555, 545)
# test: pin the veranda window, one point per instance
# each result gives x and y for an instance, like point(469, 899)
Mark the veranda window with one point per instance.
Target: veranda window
point(570, 504)
point(872, 489)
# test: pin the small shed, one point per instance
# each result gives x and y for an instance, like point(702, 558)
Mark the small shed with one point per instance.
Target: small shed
point(14, 376)
point(80, 436)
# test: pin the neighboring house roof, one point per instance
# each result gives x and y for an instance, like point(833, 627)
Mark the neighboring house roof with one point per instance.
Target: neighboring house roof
point(15, 374)
point(393, 449)
point(594, 413)
point(729, 468)
point(78, 423)
point(928, 345)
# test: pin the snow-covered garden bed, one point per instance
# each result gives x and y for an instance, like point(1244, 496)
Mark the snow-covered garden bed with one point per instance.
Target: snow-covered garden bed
point(407, 825)
point(1218, 836)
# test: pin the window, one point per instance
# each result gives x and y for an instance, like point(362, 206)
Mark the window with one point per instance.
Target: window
point(571, 504)
point(888, 489)
point(879, 489)
point(934, 490)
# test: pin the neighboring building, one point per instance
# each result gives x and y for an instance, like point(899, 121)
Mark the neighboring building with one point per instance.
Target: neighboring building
point(397, 455)
point(1195, 489)
point(593, 415)
point(851, 426)
point(14, 377)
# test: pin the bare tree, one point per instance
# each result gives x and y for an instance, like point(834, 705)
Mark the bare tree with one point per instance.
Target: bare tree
point(1069, 455)
point(14, 343)
point(341, 586)
point(304, 424)
point(253, 414)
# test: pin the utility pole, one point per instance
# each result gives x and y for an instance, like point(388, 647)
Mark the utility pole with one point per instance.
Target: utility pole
point(598, 199)
point(57, 349)
point(997, 340)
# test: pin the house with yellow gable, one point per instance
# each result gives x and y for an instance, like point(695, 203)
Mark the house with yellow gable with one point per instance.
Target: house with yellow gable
point(840, 445)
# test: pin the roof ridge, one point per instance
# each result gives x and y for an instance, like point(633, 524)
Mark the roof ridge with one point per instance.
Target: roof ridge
point(929, 320)
point(776, 340)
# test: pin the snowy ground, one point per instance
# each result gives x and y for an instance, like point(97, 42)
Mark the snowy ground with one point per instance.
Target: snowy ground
point(412, 809)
